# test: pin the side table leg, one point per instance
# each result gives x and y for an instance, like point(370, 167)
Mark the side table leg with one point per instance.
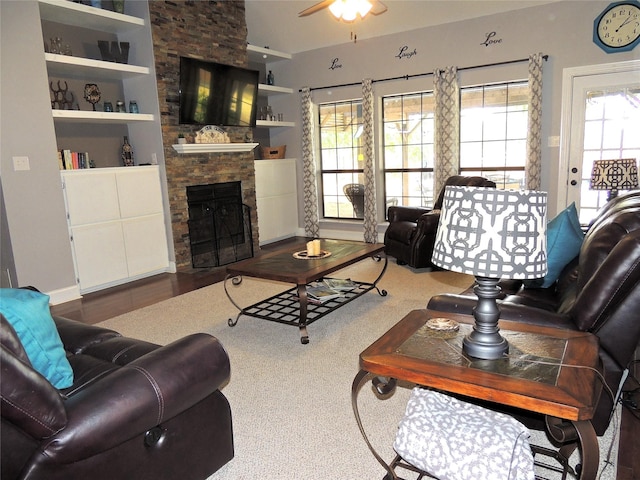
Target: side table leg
point(576, 433)
point(360, 379)
point(590, 449)
point(304, 300)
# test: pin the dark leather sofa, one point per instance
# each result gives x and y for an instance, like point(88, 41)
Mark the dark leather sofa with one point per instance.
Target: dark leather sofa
point(135, 410)
point(598, 292)
point(411, 233)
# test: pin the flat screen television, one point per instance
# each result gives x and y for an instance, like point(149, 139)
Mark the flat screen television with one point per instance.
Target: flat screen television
point(216, 94)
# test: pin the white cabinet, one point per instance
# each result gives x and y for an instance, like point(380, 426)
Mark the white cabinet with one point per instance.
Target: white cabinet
point(116, 224)
point(276, 199)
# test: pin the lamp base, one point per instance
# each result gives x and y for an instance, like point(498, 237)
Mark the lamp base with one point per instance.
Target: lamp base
point(485, 341)
point(495, 348)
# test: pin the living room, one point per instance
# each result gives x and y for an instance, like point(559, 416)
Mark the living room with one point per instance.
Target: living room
point(33, 198)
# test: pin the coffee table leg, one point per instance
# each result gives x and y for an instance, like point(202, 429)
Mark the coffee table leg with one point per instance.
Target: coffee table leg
point(304, 300)
point(236, 280)
point(382, 293)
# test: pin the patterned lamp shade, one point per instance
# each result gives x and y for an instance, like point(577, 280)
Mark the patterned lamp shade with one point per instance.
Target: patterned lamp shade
point(620, 174)
point(492, 233)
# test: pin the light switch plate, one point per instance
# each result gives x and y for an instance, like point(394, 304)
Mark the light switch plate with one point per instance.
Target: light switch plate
point(21, 163)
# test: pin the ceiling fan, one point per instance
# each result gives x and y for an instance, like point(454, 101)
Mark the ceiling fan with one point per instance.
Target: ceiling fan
point(347, 10)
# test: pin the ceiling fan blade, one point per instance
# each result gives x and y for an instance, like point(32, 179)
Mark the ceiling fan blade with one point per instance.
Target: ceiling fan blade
point(378, 7)
point(315, 8)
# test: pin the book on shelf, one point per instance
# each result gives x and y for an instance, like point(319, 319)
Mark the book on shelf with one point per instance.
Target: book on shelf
point(340, 284)
point(69, 160)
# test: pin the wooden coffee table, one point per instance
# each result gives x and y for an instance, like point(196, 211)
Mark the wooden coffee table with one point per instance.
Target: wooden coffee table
point(293, 307)
point(529, 378)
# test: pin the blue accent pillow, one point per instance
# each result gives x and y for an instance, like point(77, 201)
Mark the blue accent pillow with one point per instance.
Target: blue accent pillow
point(28, 312)
point(564, 239)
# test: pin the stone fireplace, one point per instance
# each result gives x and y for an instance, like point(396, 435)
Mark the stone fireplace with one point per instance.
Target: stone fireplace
point(214, 31)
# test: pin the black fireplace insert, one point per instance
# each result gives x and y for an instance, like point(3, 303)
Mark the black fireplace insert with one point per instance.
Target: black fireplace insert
point(219, 224)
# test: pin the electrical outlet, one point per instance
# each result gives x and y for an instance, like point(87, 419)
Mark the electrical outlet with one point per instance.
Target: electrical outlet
point(21, 163)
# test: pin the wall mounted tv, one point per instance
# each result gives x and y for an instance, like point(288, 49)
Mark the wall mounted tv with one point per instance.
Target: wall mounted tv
point(217, 94)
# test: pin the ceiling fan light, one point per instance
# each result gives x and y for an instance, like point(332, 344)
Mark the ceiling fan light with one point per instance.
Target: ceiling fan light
point(364, 6)
point(337, 8)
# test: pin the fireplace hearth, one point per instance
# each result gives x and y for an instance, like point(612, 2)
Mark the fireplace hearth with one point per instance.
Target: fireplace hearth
point(219, 224)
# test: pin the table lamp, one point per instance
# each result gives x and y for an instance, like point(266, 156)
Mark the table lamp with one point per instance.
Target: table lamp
point(491, 234)
point(614, 175)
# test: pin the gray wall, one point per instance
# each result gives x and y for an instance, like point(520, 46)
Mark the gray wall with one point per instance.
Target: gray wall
point(561, 30)
point(34, 203)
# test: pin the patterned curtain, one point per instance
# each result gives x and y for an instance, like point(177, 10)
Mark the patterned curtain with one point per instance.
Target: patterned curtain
point(370, 214)
point(311, 223)
point(534, 136)
point(447, 126)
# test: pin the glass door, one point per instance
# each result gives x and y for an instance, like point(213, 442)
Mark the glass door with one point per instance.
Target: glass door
point(603, 124)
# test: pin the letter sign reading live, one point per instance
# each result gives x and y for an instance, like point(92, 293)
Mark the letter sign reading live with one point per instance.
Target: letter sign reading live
point(335, 64)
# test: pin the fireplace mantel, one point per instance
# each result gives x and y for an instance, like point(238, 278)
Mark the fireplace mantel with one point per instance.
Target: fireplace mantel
point(213, 147)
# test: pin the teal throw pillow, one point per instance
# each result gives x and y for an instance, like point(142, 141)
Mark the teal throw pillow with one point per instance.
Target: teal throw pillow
point(564, 239)
point(28, 312)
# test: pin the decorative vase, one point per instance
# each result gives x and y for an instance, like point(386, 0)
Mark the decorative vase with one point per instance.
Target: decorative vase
point(118, 6)
point(127, 153)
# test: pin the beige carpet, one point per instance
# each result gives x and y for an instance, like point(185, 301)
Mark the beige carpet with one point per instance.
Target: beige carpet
point(291, 403)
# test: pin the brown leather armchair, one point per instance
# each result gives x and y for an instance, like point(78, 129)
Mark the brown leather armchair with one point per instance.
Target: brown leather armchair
point(598, 292)
point(411, 233)
point(135, 409)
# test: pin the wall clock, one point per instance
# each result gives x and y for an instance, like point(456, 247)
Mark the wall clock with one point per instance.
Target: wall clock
point(617, 28)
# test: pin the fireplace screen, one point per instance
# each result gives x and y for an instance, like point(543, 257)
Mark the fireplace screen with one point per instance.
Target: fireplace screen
point(219, 225)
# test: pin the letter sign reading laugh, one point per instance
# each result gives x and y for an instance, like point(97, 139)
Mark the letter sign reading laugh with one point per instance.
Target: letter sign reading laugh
point(406, 53)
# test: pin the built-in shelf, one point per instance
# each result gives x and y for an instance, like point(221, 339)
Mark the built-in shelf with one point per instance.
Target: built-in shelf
point(213, 147)
point(99, 117)
point(80, 67)
point(265, 55)
point(266, 90)
point(267, 123)
point(78, 15)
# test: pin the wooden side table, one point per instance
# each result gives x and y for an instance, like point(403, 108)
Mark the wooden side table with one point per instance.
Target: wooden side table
point(549, 371)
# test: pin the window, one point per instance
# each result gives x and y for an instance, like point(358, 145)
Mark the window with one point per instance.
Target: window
point(408, 124)
point(341, 158)
point(493, 133)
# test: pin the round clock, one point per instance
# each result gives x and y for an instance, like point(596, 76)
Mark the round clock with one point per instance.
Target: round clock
point(617, 28)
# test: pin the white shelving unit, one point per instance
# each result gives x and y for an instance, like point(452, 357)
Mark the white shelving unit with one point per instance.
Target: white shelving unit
point(78, 15)
point(79, 67)
point(264, 56)
point(115, 215)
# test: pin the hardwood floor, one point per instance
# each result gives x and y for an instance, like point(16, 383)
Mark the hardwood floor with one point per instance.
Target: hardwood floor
point(99, 306)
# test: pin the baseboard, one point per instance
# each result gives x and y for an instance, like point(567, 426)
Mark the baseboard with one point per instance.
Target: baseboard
point(63, 295)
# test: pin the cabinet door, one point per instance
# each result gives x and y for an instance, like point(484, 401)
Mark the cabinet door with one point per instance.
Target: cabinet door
point(146, 244)
point(139, 192)
point(91, 197)
point(276, 199)
point(99, 254)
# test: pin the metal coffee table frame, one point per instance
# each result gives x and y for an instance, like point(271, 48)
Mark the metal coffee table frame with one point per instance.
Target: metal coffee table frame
point(293, 306)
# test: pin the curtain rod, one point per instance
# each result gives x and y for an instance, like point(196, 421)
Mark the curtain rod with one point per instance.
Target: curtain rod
point(407, 77)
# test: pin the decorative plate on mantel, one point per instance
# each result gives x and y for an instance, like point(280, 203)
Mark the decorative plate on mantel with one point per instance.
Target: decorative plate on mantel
point(212, 134)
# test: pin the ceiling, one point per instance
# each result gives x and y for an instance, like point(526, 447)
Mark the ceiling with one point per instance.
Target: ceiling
point(275, 23)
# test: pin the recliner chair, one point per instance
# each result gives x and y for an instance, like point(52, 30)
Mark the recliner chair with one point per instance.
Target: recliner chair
point(411, 233)
point(135, 409)
point(355, 193)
